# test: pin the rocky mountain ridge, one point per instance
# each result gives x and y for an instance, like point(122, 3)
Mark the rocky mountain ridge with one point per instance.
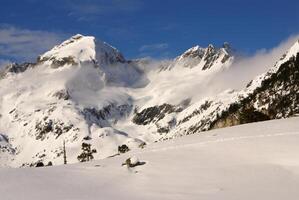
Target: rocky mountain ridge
point(203, 58)
point(85, 91)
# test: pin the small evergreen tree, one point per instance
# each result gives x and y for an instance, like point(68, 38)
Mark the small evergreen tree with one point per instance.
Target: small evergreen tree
point(123, 148)
point(86, 155)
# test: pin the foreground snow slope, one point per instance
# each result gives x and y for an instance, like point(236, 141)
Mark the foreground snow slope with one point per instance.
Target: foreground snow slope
point(252, 161)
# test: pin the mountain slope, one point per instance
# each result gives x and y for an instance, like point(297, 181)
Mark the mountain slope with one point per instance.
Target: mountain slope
point(55, 100)
point(252, 161)
point(273, 95)
point(85, 91)
point(269, 96)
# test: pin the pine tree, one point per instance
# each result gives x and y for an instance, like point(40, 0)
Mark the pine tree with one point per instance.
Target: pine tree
point(86, 155)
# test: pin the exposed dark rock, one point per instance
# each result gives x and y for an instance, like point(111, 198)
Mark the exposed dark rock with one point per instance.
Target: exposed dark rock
point(198, 111)
point(195, 55)
point(129, 163)
point(102, 116)
point(42, 128)
point(63, 61)
point(277, 97)
point(154, 114)
point(210, 56)
point(45, 126)
point(62, 94)
point(56, 63)
point(87, 138)
point(16, 68)
point(142, 145)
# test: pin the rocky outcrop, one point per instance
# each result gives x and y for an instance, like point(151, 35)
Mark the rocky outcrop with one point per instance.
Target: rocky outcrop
point(107, 115)
point(16, 68)
point(62, 94)
point(276, 97)
point(153, 114)
point(4, 144)
point(204, 58)
point(51, 126)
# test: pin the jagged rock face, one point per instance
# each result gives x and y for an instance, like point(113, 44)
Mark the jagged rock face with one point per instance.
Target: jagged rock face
point(212, 55)
point(242, 116)
point(5, 147)
point(153, 114)
point(194, 52)
point(16, 68)
point(6, 150)
point(204, 58)
point(277, 97)
point(271, 96)
point(91, 99)
point(62, 94)
point(51, 126)
point(107, 115)
point(161, 117)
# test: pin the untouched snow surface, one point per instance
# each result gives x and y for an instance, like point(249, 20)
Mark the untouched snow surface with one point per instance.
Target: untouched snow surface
point(252, 161)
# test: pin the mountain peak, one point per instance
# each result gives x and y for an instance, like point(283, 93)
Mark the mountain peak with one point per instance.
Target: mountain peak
point(203, 58)
point(193, 52)
point(74, 50)
point(79, 49)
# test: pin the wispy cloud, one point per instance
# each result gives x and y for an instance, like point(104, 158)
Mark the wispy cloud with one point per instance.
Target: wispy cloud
point(158, 50)
point(24, 44)
point(153, 47)
point(245, 69)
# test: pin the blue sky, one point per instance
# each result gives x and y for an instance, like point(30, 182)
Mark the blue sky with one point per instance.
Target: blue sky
point(156, 28)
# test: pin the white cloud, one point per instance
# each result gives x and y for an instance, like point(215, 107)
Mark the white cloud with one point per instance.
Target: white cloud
point(24, 44)
point(242, 71)
point(247, 68)
point(237, 76)
point(153, 47)
point(158, 51)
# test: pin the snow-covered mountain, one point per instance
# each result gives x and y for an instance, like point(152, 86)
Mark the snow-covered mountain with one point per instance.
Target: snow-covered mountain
point(269, 96)
point(79, 49)
point(203, 58)
point(85, 91)
point(75, 92)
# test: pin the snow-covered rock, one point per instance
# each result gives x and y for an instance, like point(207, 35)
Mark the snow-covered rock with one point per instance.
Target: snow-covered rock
point(203, 58)
point(79, 49)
